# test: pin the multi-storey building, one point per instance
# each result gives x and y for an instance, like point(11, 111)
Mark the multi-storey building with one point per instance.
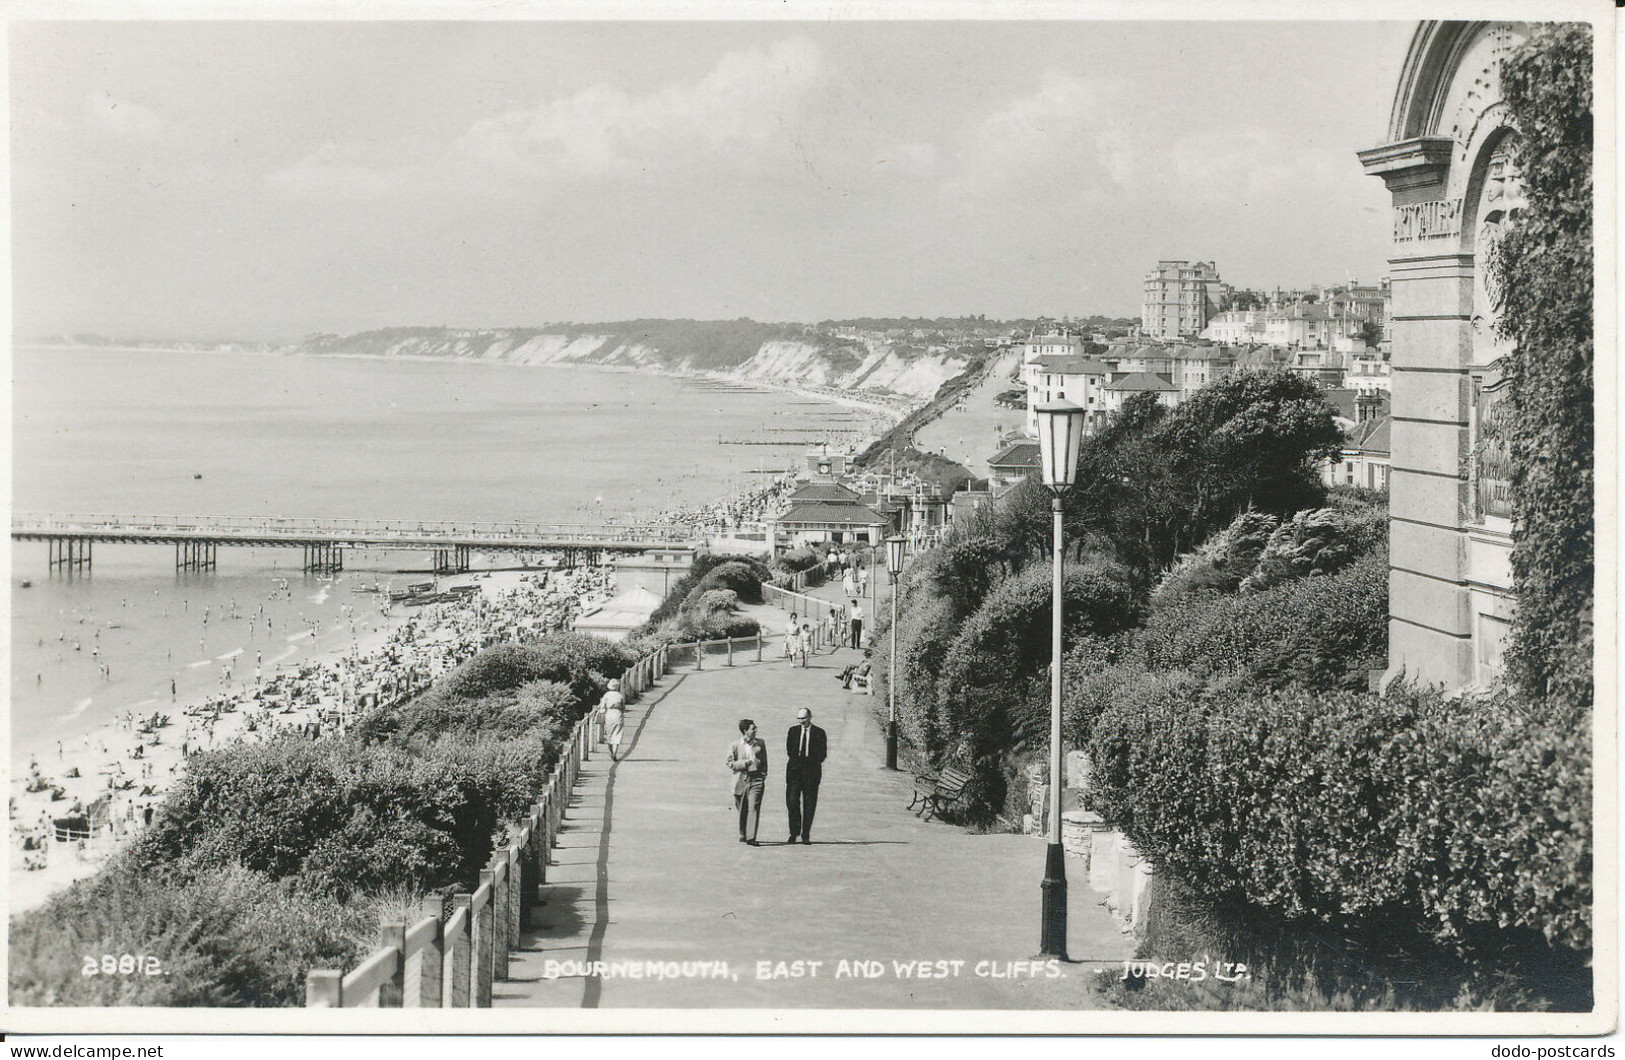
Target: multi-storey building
point(1074, 378)
point(1180, 298)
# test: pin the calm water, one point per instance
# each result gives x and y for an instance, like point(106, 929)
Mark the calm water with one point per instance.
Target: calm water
point(125, 433)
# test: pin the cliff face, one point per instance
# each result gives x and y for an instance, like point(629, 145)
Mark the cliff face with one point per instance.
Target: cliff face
point(782, 355)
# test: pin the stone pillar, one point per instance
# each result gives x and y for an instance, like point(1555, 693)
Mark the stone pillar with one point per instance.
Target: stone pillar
point(1449, 168)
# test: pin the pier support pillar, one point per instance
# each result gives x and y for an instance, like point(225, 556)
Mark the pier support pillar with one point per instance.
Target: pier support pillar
point(69, 553)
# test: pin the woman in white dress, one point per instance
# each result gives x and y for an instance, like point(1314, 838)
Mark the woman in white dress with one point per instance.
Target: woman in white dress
point(614, 707)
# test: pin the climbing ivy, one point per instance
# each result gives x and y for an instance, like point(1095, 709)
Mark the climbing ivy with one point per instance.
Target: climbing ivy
point(1545, 265)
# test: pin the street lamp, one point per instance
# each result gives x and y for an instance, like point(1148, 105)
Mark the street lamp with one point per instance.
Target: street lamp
point(1060, 433)
point(895, 546)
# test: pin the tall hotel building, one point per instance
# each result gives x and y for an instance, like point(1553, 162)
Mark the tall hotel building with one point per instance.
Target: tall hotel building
point(1180, 298)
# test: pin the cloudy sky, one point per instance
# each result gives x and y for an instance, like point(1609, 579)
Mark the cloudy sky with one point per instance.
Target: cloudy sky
point(266, 180)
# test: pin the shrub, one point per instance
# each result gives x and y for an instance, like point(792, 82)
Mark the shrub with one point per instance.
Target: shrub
point(704, 563)
point(741, 578)
point(796, 560)
point(338, 816)
point(1545, 265)
point(1222, 561)
point(228, 937)
point(994, 675)
point(1316, 542)
point(1322, 633)
point(1358, 811)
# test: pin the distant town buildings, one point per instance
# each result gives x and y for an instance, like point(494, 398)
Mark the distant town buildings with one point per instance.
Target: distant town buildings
point(1180, 298)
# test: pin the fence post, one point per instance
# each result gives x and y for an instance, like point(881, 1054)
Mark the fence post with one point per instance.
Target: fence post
point(730, 650)
point(482, 943)
point(324, 989)
point(528, 865)
point(514, 896)
point(699, 655)
point(391, 993)
point(758, 645)
point(429, 962)
point(501, 883)
point(460, 955)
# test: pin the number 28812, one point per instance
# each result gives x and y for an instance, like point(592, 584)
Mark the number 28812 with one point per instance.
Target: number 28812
point(127, 964)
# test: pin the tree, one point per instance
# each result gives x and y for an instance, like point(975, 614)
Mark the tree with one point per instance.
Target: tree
point(1157, 481)
point(1545, 267)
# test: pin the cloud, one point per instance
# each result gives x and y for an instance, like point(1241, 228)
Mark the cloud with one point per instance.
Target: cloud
point(1062, 136)
point(753, 106)
point(123, 118)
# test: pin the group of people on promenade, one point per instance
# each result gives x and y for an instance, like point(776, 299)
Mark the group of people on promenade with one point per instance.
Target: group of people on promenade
point(805, 747)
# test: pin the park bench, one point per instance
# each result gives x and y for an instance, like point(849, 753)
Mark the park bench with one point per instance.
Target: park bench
point(936, 793)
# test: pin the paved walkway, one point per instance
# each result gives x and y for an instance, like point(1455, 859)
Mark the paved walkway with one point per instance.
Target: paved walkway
point(650, 869)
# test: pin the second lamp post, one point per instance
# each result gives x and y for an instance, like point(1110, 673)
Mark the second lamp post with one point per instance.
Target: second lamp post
point(895, 546)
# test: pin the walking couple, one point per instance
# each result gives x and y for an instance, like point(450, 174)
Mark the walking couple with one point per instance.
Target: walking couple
point(805, 747)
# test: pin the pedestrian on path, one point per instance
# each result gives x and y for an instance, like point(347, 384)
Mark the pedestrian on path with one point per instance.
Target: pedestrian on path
point(792, 637)
point(748, 761)
point(855, 614)
point(805, 747)
point(804, 642)
point(614, 707)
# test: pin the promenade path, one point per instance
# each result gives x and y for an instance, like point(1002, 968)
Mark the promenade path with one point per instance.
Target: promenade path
point(649, 868)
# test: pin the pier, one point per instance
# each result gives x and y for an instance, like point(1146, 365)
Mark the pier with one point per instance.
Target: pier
point(70, 539)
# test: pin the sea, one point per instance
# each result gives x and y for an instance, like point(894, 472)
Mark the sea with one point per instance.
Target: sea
point(180, 433)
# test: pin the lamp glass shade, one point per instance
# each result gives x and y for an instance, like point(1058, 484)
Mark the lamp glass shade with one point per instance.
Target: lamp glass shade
point(1060, 439)
point(894, 554)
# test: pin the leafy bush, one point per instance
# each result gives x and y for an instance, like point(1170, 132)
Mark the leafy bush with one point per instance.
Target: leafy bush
point(992, 679)
point(227, 937)
point(1223, 560)
point(1322, 633)
point(704, 563)
point(338, 816)
point(740, 578)
point(1316, 542)
point(1354, 810)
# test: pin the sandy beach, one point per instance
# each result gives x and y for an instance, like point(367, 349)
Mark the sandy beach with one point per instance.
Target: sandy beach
point(114, 775)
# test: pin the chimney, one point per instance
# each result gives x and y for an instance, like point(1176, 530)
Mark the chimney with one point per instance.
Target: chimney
point(1366, 404)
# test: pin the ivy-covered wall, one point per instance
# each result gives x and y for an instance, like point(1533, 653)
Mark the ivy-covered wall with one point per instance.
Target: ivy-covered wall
point(1546, 268)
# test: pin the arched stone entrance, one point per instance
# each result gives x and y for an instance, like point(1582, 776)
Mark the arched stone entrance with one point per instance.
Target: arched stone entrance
point(1451, 165)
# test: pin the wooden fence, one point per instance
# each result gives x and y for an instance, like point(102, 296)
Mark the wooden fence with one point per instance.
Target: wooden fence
point(451, 962)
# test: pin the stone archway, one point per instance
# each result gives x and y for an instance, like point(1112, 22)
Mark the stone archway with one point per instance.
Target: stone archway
point(1451, 166)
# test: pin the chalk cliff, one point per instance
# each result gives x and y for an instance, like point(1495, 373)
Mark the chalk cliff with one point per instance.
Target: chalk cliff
point(771, 354)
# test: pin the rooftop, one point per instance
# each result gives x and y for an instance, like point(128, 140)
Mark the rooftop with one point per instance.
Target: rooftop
point(1135, 381)
point(1017, 455)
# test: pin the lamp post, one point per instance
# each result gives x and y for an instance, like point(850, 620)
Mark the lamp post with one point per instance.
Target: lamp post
point(895, 546)
point(1060, 432)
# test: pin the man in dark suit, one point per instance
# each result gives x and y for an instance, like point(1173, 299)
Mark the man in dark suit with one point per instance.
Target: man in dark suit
point(804, 747)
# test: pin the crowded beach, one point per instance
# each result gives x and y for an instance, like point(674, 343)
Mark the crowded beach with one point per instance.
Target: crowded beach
point(78, 800)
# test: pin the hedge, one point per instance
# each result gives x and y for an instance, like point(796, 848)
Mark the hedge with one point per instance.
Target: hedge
point(1359, 811)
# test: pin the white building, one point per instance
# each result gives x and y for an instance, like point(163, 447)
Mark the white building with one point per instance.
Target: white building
point(1074, 378)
